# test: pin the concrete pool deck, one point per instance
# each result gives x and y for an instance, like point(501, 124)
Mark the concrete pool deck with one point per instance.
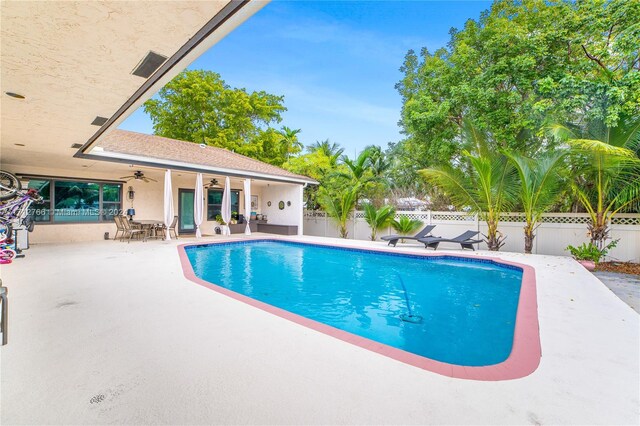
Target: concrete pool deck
point(107, 332)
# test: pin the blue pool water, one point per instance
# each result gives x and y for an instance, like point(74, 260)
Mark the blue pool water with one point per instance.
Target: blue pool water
point(468, 307)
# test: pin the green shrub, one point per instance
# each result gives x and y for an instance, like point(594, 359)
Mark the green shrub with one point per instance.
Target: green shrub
point(589, 251)
point(405, 225)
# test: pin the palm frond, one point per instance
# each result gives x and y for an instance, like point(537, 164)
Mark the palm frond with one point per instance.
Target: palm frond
point(599, 147)
point(404, 225)
point(626, 134)
point(559, 132)
point(454, 184)
point(378, 218)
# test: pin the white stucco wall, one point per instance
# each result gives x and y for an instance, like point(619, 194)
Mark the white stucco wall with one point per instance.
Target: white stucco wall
point(290, 215)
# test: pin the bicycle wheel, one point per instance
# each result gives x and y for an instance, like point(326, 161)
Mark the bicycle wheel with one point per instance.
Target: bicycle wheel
point(28, 223)
point(9, 185)
point(7, 254)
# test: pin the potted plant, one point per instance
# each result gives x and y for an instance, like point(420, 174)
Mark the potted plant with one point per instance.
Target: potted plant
point(589, 255)
point(219, 219)
point(218, 223)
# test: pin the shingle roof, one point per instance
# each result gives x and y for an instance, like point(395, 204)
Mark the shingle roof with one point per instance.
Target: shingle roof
point(161, 148)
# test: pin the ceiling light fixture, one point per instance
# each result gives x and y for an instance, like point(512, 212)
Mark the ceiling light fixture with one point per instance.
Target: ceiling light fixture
point(14, 95)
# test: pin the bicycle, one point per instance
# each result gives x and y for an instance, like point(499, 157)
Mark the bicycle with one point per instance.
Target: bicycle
point(17, 209)
point(10, 186)
point(7, 254)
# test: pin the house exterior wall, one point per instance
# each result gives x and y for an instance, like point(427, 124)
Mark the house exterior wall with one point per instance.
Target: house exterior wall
point(290, 215)
point(148, 202)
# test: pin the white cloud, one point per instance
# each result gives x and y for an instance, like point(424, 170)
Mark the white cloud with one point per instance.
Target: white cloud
point(363, 43)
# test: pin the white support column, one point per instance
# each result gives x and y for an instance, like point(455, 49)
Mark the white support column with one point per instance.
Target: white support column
point(301, 204)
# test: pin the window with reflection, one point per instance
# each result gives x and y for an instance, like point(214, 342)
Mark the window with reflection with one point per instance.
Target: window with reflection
point(214, 202)
point(41, 212)
point(111, 200)
point(68, 201)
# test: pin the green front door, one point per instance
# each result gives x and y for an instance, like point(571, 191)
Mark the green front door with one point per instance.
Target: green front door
point(186, 225)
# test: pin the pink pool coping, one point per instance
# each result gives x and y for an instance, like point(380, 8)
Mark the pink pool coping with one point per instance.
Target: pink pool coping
point(525, 354)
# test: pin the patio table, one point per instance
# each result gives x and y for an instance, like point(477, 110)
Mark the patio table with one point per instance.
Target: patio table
point(151, 225)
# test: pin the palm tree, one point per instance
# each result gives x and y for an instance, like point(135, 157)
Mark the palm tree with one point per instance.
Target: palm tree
point(378, 161)
point(357, 169)
point(607, 163)
point(485, 182)
point(339, 207)
point(378, 218)
point(404, 225)
point(289, 142)
point(331, 150)
point(540, 187)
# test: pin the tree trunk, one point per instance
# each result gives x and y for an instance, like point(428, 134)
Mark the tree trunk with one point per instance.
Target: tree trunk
point(344, 233)
point(528, 238)
point(599, 231)
point(494, 238)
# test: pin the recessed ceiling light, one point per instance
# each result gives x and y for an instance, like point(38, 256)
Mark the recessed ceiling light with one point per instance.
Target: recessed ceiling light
point(19, 144)
point(14, 95)
point(99, 121)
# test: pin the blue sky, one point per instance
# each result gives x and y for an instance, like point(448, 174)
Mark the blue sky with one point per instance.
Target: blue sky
point(336, 63)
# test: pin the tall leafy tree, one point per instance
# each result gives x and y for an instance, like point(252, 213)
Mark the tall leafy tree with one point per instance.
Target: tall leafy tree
point(331, 149)
point(358, 171)
point(518, 64)
point(317, 165)
point(378, 161)
point(198, 106)
point(289, 142)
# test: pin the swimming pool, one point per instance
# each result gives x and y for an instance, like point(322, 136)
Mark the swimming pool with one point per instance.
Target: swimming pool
point(466, 309)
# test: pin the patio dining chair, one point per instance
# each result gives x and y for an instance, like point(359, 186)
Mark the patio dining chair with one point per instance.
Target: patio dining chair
point(130, 231)
point(119, 227)
point(162, 229)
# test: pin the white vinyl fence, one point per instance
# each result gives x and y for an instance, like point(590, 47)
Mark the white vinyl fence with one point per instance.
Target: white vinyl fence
point(554, 234)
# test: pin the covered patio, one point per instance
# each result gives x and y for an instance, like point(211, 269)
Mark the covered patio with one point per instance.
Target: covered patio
point(128, 173)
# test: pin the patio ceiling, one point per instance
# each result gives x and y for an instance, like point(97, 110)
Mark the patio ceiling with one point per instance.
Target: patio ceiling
point(73, 61)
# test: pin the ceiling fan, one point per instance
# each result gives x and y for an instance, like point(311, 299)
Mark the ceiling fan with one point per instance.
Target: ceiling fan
point(138, 175)
point(212, 184)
